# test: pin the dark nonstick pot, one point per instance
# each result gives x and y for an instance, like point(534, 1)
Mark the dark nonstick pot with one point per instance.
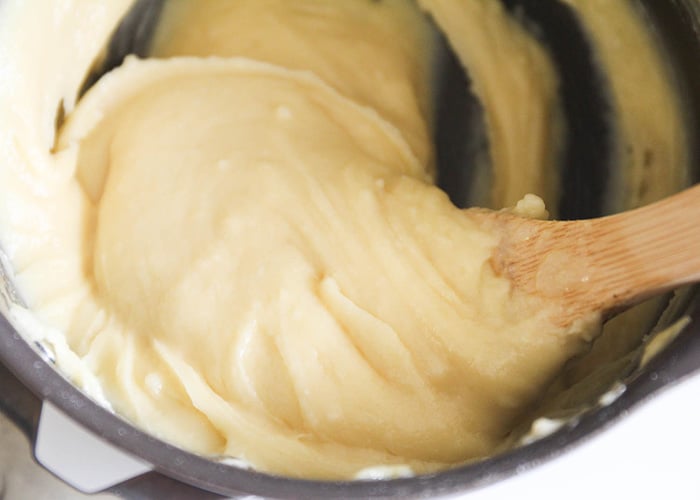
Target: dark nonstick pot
point(33, 393)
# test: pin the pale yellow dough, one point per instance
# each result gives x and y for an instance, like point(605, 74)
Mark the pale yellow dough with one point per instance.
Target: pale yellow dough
point(379, 54)
point(285, 268)
point(247, 251)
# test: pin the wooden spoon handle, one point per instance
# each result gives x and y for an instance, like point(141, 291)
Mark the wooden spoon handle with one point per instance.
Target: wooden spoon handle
point(609, 263)
point(659, 247)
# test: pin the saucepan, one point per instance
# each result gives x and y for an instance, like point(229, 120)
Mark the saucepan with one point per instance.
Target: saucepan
point(96, 450)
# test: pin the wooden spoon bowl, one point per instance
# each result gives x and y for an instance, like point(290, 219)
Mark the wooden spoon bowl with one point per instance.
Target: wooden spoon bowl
point(601, 265)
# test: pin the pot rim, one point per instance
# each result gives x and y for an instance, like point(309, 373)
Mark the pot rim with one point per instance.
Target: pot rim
point(675, 363)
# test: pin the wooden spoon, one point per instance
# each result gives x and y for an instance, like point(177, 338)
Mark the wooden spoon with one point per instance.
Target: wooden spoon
point(602, 265)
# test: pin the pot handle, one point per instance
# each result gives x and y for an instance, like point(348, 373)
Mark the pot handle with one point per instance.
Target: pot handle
point(24, 409)
point(79, 457)
point(95, 466)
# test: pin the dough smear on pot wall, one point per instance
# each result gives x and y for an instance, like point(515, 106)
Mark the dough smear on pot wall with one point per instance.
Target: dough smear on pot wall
point(239, 238)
